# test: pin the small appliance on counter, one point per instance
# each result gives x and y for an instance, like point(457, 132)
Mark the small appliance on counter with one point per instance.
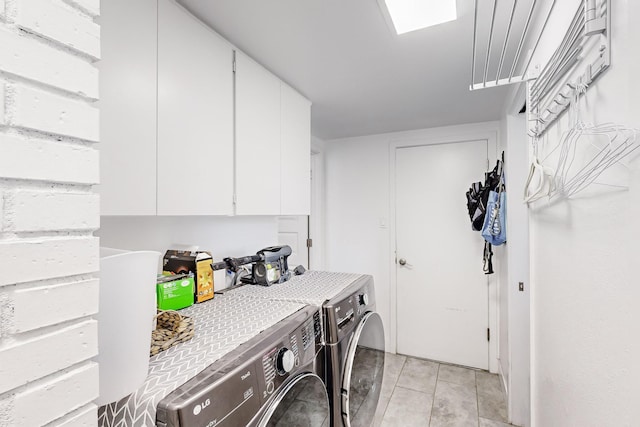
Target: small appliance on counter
point(269, 266)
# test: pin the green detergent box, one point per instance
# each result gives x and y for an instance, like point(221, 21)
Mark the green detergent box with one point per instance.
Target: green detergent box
point(175, 292)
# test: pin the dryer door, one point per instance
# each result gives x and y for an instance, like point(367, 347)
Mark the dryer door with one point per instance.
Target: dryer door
point(302, 401)
point(363, 371)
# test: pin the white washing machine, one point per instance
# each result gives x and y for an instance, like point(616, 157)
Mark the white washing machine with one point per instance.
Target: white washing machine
point(269, 381)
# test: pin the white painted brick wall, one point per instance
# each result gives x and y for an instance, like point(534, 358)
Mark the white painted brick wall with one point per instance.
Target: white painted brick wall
point(84, 417)
point(46, 258)
point(2, 96)
point(49, 112)
point(74, 389)
point(42, 160)
point(34, 59)
point(92, 7)
point(62, 302)
point(48, 211)
point(33, 358)
point(63, 211)
point(58, 21)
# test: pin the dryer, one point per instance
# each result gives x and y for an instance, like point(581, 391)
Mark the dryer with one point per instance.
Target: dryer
point(353, 337)
point(269, 381)
point(355, 352)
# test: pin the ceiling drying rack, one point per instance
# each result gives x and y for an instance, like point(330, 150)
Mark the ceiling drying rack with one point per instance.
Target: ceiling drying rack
point(520, 31)
point(583, 55)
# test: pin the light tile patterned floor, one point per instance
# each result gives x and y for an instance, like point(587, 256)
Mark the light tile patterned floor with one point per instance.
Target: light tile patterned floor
point(423, 393)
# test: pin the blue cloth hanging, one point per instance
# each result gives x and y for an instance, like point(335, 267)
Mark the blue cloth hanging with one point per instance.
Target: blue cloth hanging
point(494, 229)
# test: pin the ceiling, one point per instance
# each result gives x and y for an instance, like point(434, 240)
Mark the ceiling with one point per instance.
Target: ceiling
point(361, 77)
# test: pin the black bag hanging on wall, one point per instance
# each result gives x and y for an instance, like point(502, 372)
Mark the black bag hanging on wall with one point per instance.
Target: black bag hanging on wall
point(477, 200)
point(475, 207)
point(478, 196)
point(487, 258)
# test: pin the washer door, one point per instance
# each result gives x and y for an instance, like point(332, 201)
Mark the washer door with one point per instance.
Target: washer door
point(302, 402)
point(363, 371)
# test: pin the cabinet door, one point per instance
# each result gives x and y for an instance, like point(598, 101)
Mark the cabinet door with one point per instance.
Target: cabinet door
point(195, 116)
point(295, 156)
point(128, 107)
point(257, 139)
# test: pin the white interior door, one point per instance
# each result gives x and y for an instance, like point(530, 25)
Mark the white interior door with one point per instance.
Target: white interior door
point(442, 292)
point(294, 231)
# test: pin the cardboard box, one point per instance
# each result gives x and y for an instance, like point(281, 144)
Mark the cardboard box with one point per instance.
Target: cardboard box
point(196, 262)
point(175, 292)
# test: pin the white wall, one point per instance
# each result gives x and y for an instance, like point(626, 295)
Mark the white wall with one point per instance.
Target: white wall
point(49, 257)
point(513, 266)
point(517, 314)
point(502, 254)
point(358, 212)
point(223, 236)
point(584, 257)
point(317, 217)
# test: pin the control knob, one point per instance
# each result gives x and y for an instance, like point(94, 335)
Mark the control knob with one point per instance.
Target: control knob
point(363, 299)
point(285, 361)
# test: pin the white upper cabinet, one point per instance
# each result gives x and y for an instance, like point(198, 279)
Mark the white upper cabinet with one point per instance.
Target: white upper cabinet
point(295, 153)
point(257, 139)
point(128, 107)
point(168, 106)
point(195, 116)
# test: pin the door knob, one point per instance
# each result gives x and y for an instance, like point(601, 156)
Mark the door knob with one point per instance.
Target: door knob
point(402, 261)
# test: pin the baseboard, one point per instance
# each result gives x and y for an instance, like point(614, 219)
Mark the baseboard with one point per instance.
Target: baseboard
point(503, 380)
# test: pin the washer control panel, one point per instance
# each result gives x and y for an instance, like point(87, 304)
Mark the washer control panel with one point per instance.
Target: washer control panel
point(245, 378)
point(297, 349)
point(285, 361)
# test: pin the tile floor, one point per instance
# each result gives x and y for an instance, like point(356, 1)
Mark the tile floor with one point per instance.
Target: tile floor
point(423, 393)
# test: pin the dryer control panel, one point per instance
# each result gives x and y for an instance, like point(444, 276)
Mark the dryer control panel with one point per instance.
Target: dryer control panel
point(344, 311)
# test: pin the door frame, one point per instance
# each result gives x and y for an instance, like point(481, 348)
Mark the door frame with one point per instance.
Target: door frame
point(316, 216)
point(447, 135)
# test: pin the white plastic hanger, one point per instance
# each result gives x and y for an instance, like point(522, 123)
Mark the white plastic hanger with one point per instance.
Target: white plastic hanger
point(621, 141)
point(544, 184)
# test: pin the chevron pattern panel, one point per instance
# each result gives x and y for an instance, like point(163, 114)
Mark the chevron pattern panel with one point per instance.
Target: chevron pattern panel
point(221, 325)
point(313, 287)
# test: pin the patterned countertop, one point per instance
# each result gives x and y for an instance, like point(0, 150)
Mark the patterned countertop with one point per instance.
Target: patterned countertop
point(313, 288)
point(221, 325)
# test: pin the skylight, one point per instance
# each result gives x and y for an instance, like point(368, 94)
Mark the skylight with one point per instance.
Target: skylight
point(412, 15)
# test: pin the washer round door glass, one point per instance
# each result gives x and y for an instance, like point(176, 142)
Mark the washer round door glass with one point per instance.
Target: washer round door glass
point(364, 370)
point(301, 402)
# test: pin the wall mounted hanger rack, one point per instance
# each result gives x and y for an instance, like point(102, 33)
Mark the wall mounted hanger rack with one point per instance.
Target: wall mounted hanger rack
point(583, 55)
